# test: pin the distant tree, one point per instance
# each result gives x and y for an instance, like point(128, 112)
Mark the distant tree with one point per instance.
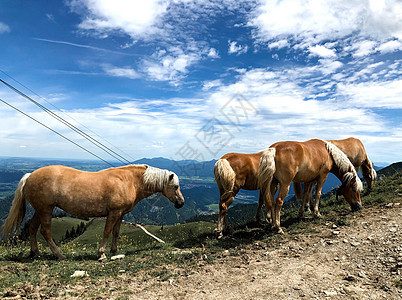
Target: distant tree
point(67, 235)
point(73, 233)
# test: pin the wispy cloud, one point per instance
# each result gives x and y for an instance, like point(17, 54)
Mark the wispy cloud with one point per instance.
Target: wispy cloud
point(4, 28)
point(234, 48)
point(126, 72)
point(84, 46)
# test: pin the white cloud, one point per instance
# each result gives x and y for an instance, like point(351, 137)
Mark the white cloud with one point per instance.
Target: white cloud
point(207, 85)
point(390, 46)
point(322, 51)
point(126, 72)
point(213, 53)
point(171, 65)
point(329, 66)
point(238, 49)
point(279, 44)
point(385, 95)
point(136, 18)
point(311, 22)
point(363, 48)
point(4, 28)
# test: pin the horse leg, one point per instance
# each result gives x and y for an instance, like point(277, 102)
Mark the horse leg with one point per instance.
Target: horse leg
point(260, 204)
point(283, 191)
point(111, 220)
point(320, 183)
point(33, 229)
point(224, 204)
point(306, 198)
point(116, 230)
point(45, 230)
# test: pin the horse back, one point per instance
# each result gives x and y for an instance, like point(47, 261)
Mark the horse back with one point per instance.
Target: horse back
point(245, 167)
point(78, 192)
point(354, 150)
point(301, 161)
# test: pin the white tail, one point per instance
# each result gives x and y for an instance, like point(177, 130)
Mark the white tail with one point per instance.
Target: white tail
point(17, 210)
point(225, 176)
point(344, 165)
point(266, 170)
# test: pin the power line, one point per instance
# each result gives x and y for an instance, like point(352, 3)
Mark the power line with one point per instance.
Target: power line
point(54, 131)
point(71, 126)
point(63, 112)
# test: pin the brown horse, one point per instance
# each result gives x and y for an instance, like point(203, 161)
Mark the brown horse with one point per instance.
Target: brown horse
point(109, 193)
point(234, 171)
point(356, 153)
point(307, 162)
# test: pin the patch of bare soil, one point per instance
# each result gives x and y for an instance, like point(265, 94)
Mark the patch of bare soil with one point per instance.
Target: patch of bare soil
point(362, 260)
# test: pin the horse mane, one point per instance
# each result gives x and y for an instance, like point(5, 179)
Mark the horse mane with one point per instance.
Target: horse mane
point(156, 179)
point(344, 165)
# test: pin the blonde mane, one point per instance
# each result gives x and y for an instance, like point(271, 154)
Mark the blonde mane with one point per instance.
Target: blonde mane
point(156, 179)
point(344, 165)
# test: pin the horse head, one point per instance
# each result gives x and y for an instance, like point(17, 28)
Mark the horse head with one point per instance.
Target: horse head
point(351, 192)
point(172, 191)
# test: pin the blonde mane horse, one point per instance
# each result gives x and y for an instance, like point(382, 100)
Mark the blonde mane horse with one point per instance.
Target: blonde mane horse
point(234, 171)
point(307, 162)
point(109, 193)
point(356, 153)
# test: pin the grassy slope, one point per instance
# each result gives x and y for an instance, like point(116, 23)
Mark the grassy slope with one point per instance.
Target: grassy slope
point(137, 237)
point(17, 271)
point(59, 227)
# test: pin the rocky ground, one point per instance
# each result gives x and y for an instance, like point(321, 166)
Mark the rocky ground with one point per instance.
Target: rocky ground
point(360, 260)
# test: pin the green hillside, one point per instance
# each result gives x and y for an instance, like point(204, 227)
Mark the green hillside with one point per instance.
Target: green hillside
point(137, 237)
point(60, 226)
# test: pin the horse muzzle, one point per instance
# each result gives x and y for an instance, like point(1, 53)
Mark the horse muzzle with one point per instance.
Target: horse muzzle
point(355, 206)
point(179, 203)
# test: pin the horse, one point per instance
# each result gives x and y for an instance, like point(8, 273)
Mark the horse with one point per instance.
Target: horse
point(356, 153)
point(234, 171)
point(308, 162)
point(109, 193)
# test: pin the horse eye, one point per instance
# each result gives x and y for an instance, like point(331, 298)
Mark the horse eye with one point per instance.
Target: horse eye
point(176, 187)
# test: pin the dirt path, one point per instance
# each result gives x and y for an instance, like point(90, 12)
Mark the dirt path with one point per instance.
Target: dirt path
point(362, 260)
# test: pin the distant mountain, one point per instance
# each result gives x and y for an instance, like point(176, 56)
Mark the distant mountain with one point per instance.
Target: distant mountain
point(184, 168)
point(391, 169)
point(196, 181)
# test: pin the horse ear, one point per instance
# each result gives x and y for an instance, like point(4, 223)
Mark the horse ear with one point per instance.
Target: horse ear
point(171, 176)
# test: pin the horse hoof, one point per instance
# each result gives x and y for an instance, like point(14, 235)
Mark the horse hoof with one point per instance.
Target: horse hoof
point(219, 235)
point(102, 258)
point(278, 230)
point(33, 254)
point(317, 215)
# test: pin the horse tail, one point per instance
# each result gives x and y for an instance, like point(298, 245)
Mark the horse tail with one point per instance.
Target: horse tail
point(344, 165)
point(266, 170)
point(225, 177)
point(17, 210)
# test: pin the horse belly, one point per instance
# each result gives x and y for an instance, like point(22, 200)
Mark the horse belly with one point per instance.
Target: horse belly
point(83, 207)
point(306, 175)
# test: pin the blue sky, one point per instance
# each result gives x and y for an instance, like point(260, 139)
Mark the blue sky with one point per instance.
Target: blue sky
point(187, 79)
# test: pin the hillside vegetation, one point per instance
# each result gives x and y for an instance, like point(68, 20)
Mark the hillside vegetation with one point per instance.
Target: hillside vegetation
point(192, 255)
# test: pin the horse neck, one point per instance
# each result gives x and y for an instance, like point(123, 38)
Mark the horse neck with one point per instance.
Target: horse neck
point(142, 191)
point(337, 172)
